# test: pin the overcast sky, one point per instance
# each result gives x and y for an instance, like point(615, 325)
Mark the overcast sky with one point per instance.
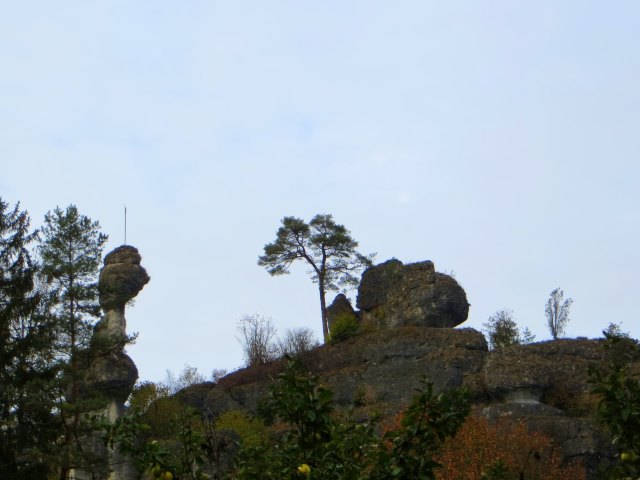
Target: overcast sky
point(498, 139)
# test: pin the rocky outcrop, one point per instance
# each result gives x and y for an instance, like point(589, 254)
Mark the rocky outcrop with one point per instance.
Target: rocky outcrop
point(340, 307)
point(377, 373)
point(380, 369)
point(111, 373)
point(393, 294)
point(547, 384)
point(121, 279)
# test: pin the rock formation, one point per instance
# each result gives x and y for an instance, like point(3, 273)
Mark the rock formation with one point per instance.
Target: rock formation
point(111, 373)
point(392, 295)
point(405, 311)
point(341, 306)
point(543, 383)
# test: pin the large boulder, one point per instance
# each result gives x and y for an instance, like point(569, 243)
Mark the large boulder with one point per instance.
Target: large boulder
point(121, 278)
point(112, 376)
point(393, 294)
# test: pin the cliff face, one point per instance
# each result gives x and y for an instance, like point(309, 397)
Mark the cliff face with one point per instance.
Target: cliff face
point(544, 383)
point(407, 312)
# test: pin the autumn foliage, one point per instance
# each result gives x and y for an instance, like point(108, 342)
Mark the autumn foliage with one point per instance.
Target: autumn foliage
point(479, 446)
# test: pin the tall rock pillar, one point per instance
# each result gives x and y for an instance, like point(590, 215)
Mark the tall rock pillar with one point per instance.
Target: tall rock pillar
point(111, 373)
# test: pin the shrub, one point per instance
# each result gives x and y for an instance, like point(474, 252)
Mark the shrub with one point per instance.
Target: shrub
point(256, 335)
point(250, 430)
point(344, 326)
point(312, 442)
point(502, 450)
point(619, 408)
point(296, 341)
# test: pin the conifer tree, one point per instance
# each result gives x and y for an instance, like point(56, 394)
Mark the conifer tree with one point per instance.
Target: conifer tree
point(71, 253)
point(28, 371)
point(327, 247)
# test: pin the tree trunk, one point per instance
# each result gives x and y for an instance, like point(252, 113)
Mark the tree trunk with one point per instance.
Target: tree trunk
point(323, 308)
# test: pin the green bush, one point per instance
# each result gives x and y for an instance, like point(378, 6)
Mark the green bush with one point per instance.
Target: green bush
point(344, 326)
point(250, 430)
point(311, 442)
point(619, 408)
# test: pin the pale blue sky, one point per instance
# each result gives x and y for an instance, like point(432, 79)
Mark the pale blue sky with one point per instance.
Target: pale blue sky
point(499, 139)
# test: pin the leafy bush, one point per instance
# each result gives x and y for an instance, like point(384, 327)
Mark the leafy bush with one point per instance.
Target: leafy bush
point(501, 330)
point(344, 326)
point(311, 441)
point(504, 450)
point(249, 430)
point(619, 406)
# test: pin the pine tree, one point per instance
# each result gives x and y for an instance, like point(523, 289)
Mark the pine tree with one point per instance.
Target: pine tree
point(326, 246)
point(71, 253)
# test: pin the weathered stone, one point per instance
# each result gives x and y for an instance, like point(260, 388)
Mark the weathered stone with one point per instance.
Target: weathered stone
point(340, 306)
point(387, 364)
point(121, 278)
point(392, 294)
point(545, 384)
point(542, 369)
point(113, 376)
point(123, 254)
point(109, 373)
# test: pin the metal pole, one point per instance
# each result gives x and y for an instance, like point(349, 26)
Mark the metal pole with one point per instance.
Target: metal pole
point(125, 224)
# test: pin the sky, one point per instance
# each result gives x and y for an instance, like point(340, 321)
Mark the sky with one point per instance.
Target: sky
point(501, 140)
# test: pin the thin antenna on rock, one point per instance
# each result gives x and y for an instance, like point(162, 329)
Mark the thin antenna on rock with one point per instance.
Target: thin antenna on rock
point(125, 224)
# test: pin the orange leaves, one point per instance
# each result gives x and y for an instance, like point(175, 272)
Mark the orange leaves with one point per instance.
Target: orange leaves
point(478, 445)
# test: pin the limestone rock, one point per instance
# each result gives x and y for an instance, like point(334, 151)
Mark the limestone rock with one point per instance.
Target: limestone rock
point(340, 306)
point(121, 278)
point(545, 384)
point(385, 365)
point(112, 376)
point(543, 371)
point(393, 294)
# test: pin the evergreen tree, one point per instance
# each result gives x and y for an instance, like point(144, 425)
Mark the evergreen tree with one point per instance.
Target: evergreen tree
point(326, 246)
point(71, 253)
point(502, 330)
point(28, 371)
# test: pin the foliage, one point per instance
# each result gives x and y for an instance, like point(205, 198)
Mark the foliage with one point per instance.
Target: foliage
point(218, 373)
point(619, 406)
point(192, 448)
point(189, 376)
point(344, 326)
point(28, 372)
point(296, 341)
point(144, 394)
point(313, 442)
point(557, 312)
point(250, 430)
point(502, 330)
point(256, 335)
point(424, 426)
point(71, 252)
point(504, 450)
point(326, 246)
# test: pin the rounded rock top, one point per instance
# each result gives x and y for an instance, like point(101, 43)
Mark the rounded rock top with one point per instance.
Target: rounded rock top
point(123, 254)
